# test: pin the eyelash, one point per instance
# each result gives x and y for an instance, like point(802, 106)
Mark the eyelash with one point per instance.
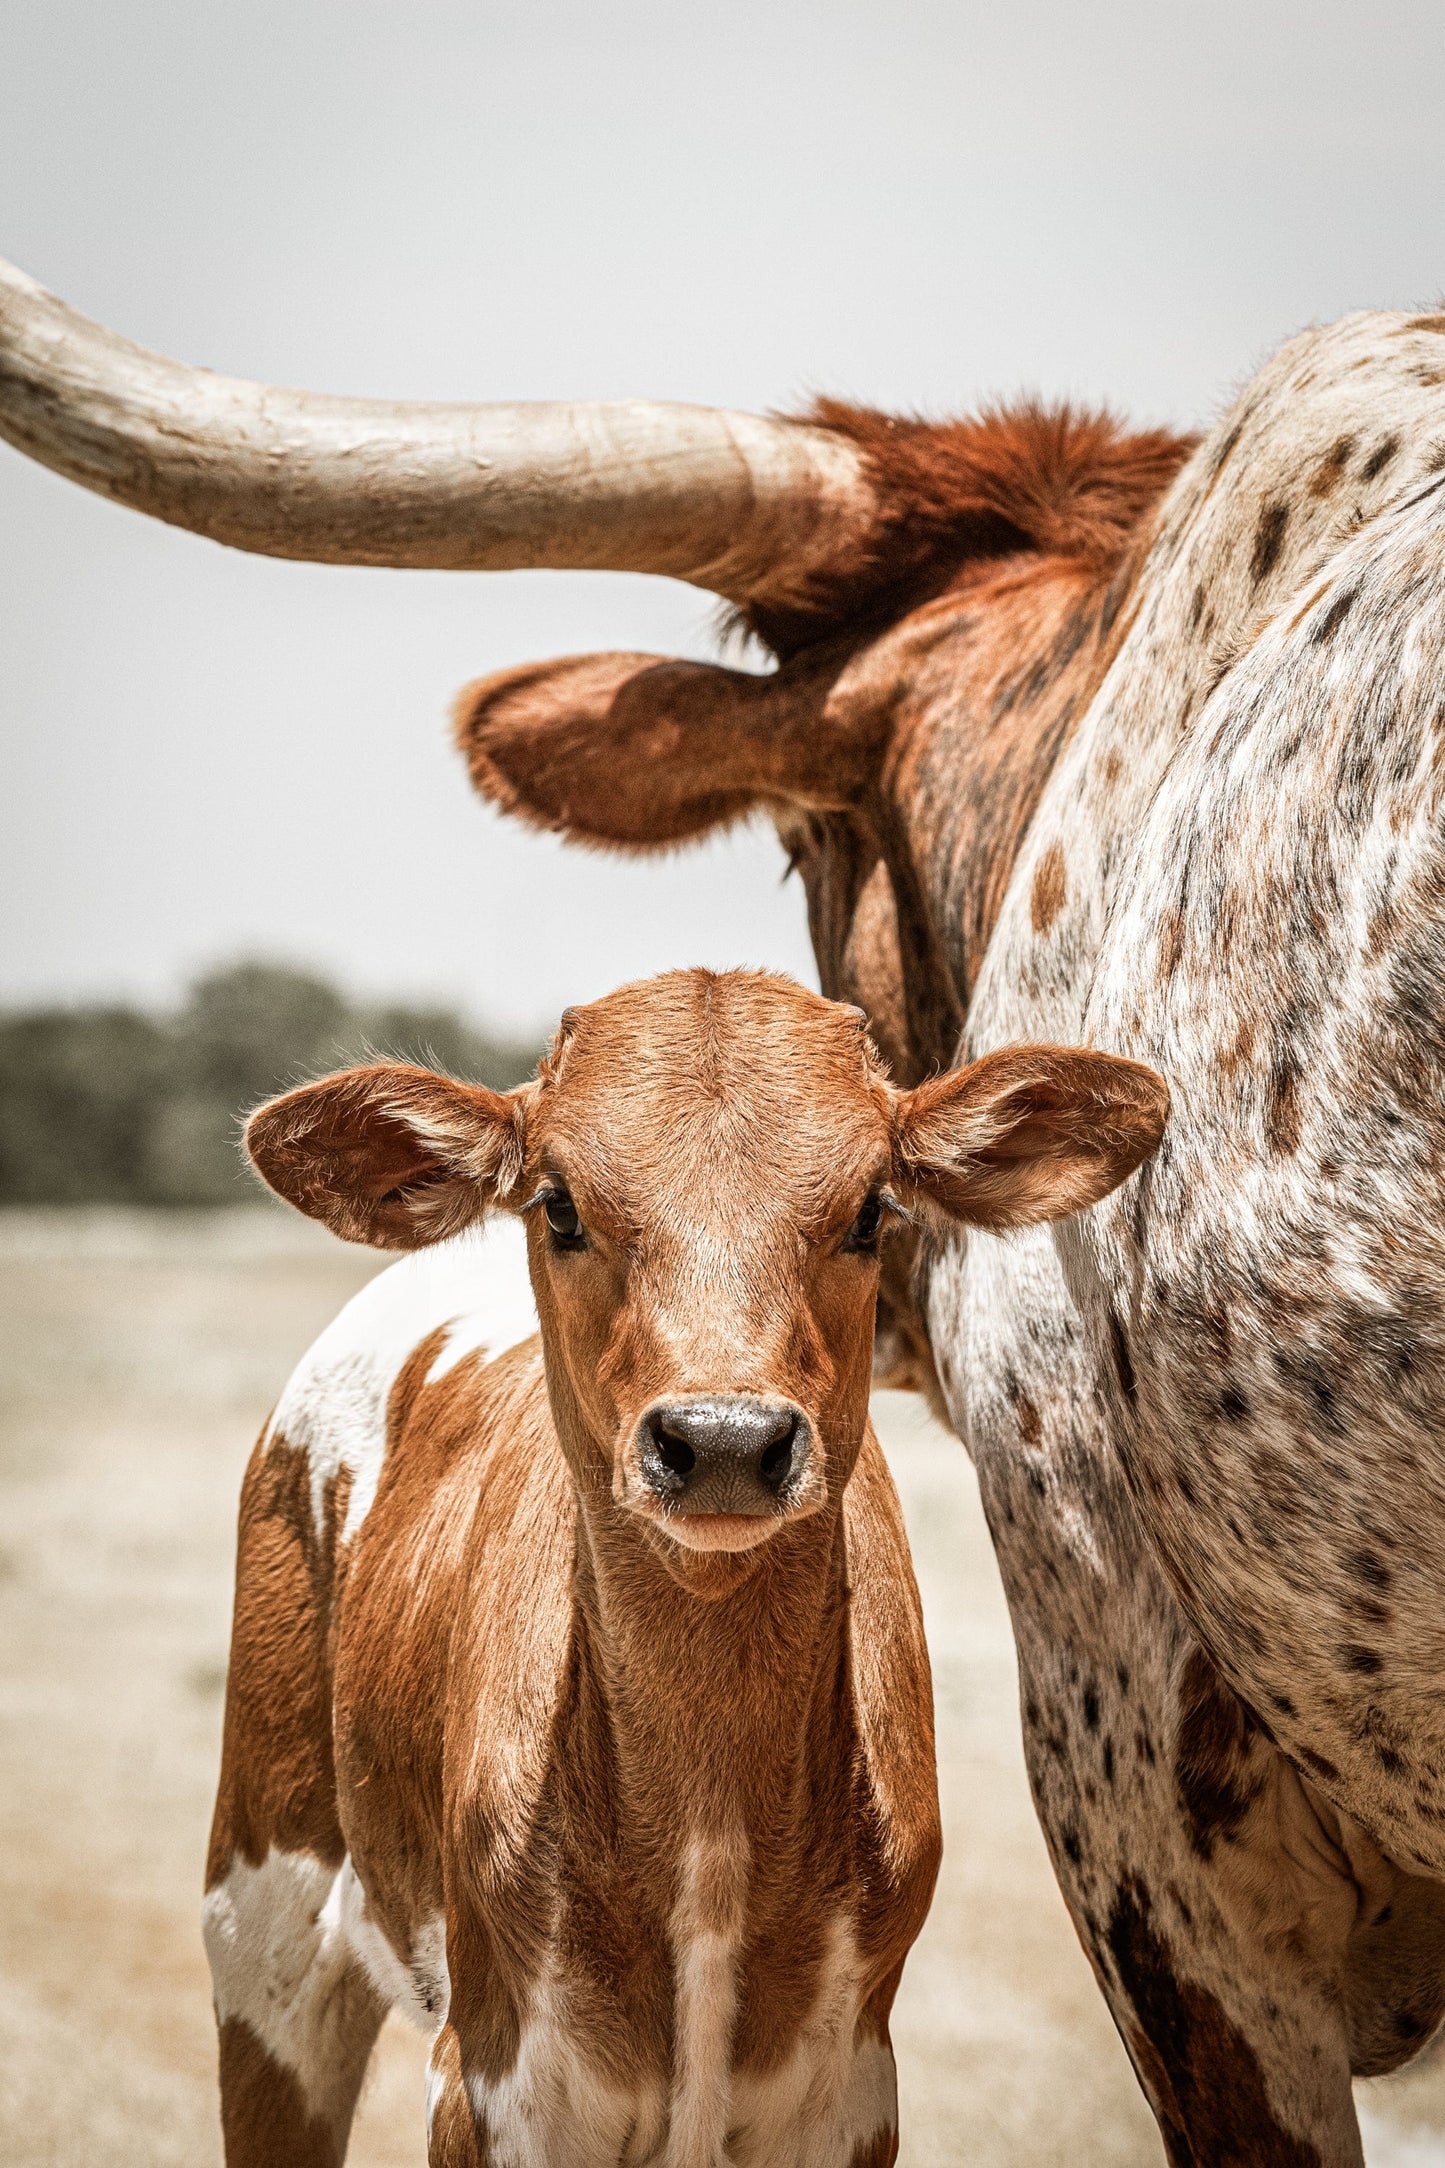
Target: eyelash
point(557, 1204)
point(864, 1238)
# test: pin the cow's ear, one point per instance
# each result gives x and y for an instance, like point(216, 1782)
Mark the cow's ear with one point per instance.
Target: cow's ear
point(636, 752)
point(391, 1155)
point(1026, 1134)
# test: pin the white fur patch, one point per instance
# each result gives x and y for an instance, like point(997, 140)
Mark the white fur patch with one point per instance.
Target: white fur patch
point(281, 1963)
point(826, 2100)
point(706, 1933)
point(418, 1985)
point(334, 1405)
point(832, 2093)
point(294, 1956)
point(555, 2109)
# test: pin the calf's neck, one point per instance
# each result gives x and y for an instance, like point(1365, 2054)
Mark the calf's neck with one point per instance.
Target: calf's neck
point(579, 1703)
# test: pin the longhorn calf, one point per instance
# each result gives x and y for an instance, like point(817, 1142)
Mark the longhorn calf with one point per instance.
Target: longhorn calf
point(579, 1702)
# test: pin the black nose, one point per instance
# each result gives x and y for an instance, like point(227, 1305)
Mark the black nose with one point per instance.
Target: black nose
point(732, 1455)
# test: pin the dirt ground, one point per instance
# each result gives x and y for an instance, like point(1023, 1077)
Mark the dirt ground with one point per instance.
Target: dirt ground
point(137, 1359)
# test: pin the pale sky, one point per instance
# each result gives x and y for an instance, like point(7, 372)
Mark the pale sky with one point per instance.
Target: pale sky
point(919, 204)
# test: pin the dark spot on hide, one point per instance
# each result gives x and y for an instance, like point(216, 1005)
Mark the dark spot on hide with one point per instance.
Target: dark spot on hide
point(1171, 944)
point(1233, 1405)
point(1200, 2070)
point(1237, 1053)
point(1046, 898)
point(1334, 617)
point(1128, 1383)
point(1369, 1567)
point(1226, 446)
point(1332, 466)
point(1091, 1706)
point(1305, 1369)
point(1269, 537)
point(1215, 1783)
point(1424, 323)
point(1320, 1763)
point(1379, 458)
point(1118, 588)
point(1283, 1703)
point(1025, 1407)
point(1109, 1763)
point(1281, 1112)
point(1369, 1663)
point(1070, 639)
point(1072, 1849)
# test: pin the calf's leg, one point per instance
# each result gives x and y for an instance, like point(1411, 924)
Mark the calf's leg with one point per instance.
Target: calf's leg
point(296, 2013)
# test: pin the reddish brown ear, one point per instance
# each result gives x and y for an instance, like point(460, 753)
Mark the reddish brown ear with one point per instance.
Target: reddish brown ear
point(394, 1156)
point(1027, 1134)
point(636, 753)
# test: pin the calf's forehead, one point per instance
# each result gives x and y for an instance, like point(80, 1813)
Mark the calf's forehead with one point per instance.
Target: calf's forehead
point(710, 1089)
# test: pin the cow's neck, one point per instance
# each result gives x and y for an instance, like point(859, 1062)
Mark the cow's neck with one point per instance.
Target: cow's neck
point(715, 1707)
point(1024, 649)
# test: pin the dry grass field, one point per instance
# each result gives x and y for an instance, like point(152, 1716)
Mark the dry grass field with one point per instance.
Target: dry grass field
point(137, 1359)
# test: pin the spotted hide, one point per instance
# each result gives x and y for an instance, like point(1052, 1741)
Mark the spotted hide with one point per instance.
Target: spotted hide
point(1167, 780)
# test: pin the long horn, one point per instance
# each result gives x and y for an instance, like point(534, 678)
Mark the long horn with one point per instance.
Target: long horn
point(742, 506)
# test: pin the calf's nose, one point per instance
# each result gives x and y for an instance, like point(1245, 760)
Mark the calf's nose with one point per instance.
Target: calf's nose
point(732, 1454)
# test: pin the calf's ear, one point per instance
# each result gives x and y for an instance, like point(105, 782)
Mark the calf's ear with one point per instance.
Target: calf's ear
point(636, 752)
point(1028, 1133)
point(391, 1155)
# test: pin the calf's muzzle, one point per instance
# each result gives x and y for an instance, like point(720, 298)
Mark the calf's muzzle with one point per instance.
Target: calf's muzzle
point(725, 1454)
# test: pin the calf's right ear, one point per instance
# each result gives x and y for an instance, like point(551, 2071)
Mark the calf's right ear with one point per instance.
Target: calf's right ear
point(1028, 1133)
point(391, 1155)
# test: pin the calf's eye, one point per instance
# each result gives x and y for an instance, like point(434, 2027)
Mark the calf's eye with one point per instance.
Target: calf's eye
point(562, 1218)
point(864, 1232)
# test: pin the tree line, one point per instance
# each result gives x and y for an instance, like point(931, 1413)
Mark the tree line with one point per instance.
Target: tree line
point(113, 1104)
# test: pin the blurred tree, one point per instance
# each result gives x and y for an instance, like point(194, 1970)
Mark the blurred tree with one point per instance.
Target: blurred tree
point(114, 1106)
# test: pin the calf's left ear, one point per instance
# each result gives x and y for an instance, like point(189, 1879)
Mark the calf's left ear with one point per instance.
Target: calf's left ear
point(1028, 1133)
point(391, 1155)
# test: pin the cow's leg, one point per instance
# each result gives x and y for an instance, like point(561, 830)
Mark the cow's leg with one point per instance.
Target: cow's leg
point(1215, 1902)
point(297, 2014)
point(452, 2137)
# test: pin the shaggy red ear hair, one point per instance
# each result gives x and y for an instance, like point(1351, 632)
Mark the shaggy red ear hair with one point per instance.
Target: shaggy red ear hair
point(390, 1155)
point(1029, 1133)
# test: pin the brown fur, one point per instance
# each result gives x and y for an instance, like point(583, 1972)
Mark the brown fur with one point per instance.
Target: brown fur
point(541, 1691)
point(902, 747)
point(1052, 480)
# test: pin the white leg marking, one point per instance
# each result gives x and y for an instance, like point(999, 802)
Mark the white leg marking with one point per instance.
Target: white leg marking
point(555, 2108)
point(832, 2094)
point(418, 1985)
point(281, 1962)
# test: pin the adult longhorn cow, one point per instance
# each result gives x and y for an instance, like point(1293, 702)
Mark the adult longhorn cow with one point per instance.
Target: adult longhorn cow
point(1074, 734)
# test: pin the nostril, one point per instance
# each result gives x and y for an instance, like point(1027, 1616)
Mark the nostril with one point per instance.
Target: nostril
point(676, 1457)
point(775, 1461)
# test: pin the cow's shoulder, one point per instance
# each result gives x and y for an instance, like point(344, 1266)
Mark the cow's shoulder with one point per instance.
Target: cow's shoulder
point(469, 1297)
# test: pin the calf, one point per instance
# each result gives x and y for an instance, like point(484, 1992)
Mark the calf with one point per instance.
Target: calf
point(578, 1702)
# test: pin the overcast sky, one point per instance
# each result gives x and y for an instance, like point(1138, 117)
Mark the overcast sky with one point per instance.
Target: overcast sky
point(921, 204)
